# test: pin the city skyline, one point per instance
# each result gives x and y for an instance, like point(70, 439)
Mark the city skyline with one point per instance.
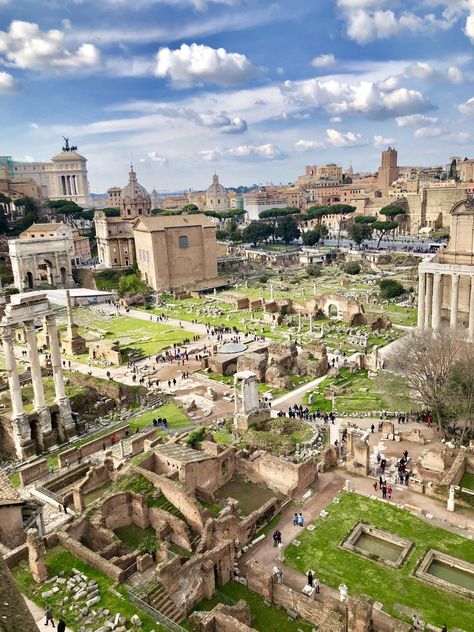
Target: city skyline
point(251, 90)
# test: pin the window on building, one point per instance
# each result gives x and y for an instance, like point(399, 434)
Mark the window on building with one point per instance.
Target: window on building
point(183, 242)
point(115, 260)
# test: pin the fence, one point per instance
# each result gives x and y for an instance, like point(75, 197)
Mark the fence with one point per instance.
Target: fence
point(159, 617)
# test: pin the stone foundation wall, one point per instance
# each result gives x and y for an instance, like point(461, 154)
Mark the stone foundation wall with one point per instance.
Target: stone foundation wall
point(457, 469)
point(11, 526)
point(208, 476)
point(138, 442)
point(33, 471)
point(73, 454)
point(283, 476)
point(89, 557)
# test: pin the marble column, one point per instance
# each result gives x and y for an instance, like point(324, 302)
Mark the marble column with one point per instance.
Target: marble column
point(66, 427)
point(421, 300)
point(428, 299)
point(453, 316)
point(470, 331)
point(436, 315)
point(35, 368)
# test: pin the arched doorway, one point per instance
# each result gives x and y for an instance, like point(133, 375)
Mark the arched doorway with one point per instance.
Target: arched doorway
point(63, 273)
point(333, 312)
point(35, 434)
point(29, 280)
point(45, 270)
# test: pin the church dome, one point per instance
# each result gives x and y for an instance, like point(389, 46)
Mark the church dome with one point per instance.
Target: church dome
point(134, 190)
point(216, 189)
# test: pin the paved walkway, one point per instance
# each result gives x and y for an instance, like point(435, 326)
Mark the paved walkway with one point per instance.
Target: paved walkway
point(38, 615)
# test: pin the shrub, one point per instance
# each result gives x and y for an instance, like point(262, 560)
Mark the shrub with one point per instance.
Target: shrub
point(195, 437)
point(313, 270)
point(390, 288)
point(352, 267)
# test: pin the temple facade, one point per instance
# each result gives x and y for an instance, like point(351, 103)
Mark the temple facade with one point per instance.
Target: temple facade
point(446, 282)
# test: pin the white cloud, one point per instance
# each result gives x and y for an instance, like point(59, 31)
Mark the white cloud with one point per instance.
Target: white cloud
point(462, 137)
point(280, 70)
point(161, 160)
point(197, 65)
point(455, 74)
point(415, 119)
point(323, 61)
point(307, 145)
point(199, 5)
point(380, 141)
point(25, 46)
point(428, 132)
point(336, 119)
point(344, 139)
point(221, 121)
point(7, 83)
point(424, 70)
point(467, 108)
point(243, 152)
point(366, 97)
point(34, 125)
point(421, 70)
point(28, 158)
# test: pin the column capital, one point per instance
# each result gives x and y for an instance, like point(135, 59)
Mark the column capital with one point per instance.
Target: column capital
point(30, 325)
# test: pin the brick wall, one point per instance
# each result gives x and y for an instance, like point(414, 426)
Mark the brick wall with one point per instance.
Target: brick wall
point(89, 557)
point(73, 454)
point(33, 471)
point(283, 476)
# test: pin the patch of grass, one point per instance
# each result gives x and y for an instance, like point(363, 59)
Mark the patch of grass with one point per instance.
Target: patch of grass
point(223, 437)
point(467, 481)
point(264, 618)
point(213, 508)
point(320, 550)
point(176, 417)
point(57, 560)
point(133, 535)
point(15, 479)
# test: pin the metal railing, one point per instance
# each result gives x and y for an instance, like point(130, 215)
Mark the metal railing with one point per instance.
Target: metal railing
point(158, 616)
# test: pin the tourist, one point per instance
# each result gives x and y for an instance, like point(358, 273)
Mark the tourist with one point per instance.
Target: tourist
point(444, 628)
point(415, 622)
point(375, 486)
point(65, 507)
point(49, 616)
point(279, 536)
point(103, 446)
point(61, 626)
point(384, 491)
point(316, 584)
point(300, 519)
point(389, 492)
point(310, 578)
point(372, 428)
point(275, 538)
point(295, 519)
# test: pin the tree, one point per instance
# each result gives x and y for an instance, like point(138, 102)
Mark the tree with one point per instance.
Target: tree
point(190, 208)
point(360, 232)
point(287, 229)
point(389, 225)
point(460, 393)
point(391, 288)
point(131, 285)
point(317, 212)
point(65, 207)
point(256, 232)
point(352, 267)
point(236, 235)
point(313, 270)
point(342, 210)
point(453, 172)
point(426, 360)
point(314, 236)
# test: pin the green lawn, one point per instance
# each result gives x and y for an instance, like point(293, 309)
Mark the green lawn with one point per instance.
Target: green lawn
point(145, 337)
point(333, 565)
point(265, 618)
point(176, 417)
point(132, 535)
point(467, 481)
point(58, 559)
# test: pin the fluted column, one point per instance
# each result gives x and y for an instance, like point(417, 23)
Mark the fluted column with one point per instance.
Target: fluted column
point(35, 368)
point(428, 299)
point(12, 371)
point(436, 315)
point(453, 316)
point(55, 358)
point(470, 331)
point(421, 300)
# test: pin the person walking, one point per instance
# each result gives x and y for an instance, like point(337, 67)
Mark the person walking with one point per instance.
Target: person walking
point(61, 626)
point(384, 491)
point(317, 585)
point(444, 628)
point(295, 519)
point(49, 616)
point(389, 492)
point(310, 578)
point(275, 538)
point(300, 519)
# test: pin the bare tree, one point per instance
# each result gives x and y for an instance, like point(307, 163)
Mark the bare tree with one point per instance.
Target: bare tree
point(460, 393)
point(426, 360)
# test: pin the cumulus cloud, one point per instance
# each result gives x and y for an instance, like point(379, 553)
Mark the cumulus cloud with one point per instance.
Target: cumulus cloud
point(344, 139)
point(370, 20)
point(467, 108)
point(243, 152)
point(428, 132)
point(380, 141)
point(220, 121)
point(153, 156)
point(7, 83)
point(197, 65)
point(371, 99)
point(323, 61)
point(307, 145)
point(424, 70)
point(455, 74)
point(461, 137)
point(25, 46)
point(415, 119)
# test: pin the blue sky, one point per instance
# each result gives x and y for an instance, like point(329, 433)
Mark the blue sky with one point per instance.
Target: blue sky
point(251, 89)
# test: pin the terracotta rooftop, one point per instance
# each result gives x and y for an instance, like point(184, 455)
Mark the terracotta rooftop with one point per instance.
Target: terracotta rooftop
point(172, 221)
point(34, 228)
point(9, 495)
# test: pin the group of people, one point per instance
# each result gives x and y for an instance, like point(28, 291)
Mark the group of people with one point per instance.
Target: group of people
point(161, 422)
point(387, 490)
point(276, 537)
point(298, 412)
point(49, 618)
point(298, 520)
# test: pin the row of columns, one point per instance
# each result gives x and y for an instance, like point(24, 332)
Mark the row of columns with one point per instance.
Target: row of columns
point(430, 296)
point(21, 428)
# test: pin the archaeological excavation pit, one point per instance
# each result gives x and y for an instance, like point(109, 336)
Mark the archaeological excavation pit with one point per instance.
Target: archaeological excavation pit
point(378, 545)
point(447, 572)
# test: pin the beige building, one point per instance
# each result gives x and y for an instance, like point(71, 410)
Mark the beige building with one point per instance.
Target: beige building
point(115, 245)
point(388, 171)
point(322, 173)
point(42, 257)
point(216, 196)
point(176, 251)
point(466, 170)
point(446, 282)
point(64, 178)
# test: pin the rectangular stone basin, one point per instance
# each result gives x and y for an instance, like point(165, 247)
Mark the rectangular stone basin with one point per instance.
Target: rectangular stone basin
point(378, 545)
point(449, 573)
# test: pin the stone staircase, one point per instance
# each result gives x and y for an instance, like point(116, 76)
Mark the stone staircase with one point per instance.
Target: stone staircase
point(159, 599)
point(153, 400)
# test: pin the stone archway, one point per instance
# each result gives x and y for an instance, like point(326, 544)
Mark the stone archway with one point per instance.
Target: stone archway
point(46, 272)
point(35, 434)
point(63, 273)
point(333, 311)
point(29, 280)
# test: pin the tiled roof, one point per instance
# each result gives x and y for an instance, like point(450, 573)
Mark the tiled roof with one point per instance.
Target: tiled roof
point(9, 495)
